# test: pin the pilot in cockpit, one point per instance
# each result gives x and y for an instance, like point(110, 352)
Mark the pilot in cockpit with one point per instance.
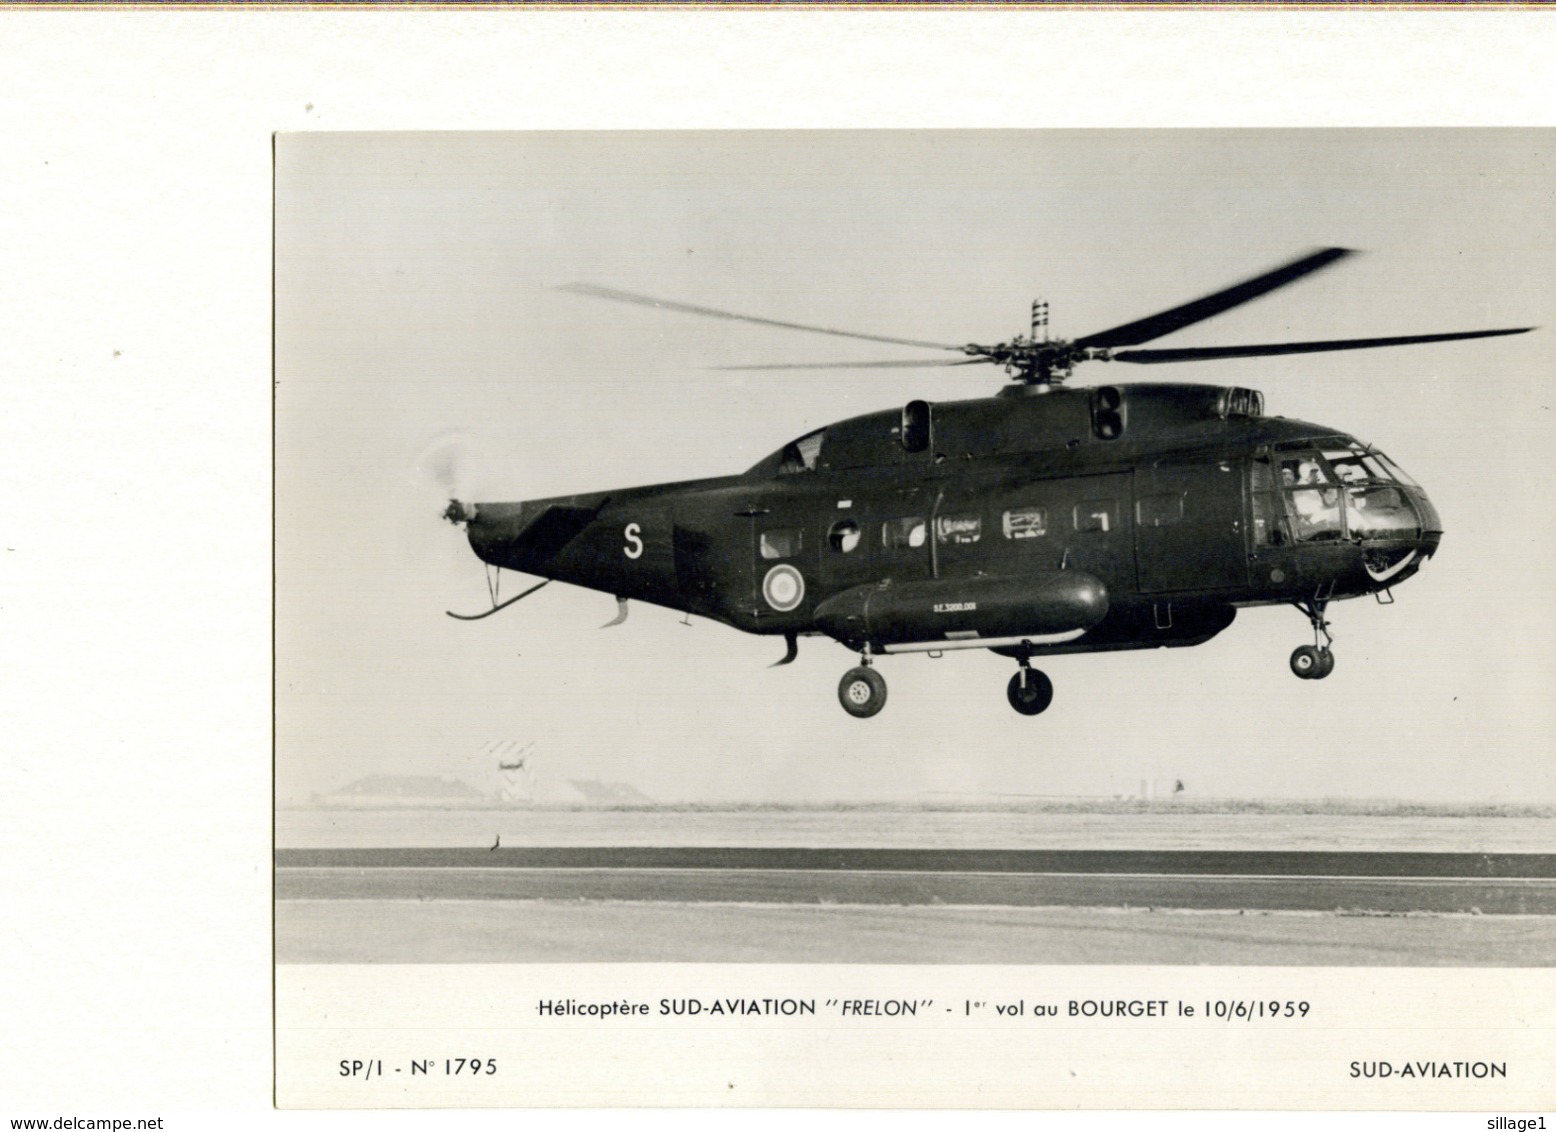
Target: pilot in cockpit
point(1318, 506)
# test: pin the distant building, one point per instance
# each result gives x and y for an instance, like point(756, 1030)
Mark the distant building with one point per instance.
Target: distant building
point(595, 793)
point(521, 780)
point(509, 781)
point(384, 790)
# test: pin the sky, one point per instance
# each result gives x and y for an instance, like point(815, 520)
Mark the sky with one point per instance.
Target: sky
point(418, 316)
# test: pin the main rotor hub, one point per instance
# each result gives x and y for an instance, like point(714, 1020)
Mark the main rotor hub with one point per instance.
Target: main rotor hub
point(1034, 362)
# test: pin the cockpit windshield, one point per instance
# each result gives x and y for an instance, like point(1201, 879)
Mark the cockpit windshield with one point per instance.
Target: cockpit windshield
point(1333, 490)
point(1355, 464)
point(1393, 469)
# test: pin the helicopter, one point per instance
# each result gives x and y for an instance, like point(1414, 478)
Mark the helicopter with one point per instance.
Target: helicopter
point(1044, 520)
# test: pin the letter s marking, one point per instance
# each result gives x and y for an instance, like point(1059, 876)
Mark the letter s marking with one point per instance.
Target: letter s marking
point(634, 547)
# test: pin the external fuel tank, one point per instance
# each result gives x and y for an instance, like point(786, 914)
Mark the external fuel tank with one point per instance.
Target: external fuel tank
point(957, 610)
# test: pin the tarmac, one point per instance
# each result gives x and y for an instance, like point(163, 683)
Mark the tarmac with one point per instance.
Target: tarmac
point(1461, 903)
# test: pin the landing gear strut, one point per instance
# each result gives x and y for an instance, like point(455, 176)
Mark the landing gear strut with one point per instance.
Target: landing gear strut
point(1029, 691)
point(1314, 661)
point(862, 691)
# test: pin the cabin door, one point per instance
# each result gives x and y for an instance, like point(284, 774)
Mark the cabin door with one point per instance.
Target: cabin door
point(1189, 526)
point(784, 558)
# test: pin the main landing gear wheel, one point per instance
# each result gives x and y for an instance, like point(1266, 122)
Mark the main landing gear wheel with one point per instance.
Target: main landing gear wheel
point(1310, 662)
point(1030, 691)
point(862, 692)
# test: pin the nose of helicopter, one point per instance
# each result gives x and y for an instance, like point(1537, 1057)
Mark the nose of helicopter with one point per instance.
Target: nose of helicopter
point(1431, 522)
point(1398, 529)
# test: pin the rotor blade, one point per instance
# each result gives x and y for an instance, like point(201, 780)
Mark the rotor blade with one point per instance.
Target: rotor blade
point(917, 364)
point(1155, 326)
point(1202, 353)
point(688, 308)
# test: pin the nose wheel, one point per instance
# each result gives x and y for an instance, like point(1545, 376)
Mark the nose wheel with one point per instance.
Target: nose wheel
point(1314, 661)
point(1310, 662)
point(1029, 691)
point(862, 691)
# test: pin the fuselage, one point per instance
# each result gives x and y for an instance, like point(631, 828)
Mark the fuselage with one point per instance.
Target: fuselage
point(1068, 520)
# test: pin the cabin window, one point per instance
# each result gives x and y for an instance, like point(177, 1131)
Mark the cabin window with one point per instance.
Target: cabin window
point(801, 455)
point(1159, 510)
point(784, 543)
point(959, 529)
point(1096, 515)
point(844, 536)
point(1025, 522)
point(897, 534)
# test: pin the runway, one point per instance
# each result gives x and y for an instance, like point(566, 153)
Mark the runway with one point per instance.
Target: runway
point(1462, 883)
point(917, 827)
point(539, 904)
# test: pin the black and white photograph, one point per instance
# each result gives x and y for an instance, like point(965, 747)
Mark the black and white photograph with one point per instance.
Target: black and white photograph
point(889, 635)
point(1029, 547)
point(722, 567)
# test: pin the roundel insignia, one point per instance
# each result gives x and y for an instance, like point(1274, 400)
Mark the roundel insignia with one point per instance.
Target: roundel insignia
point(784, 588)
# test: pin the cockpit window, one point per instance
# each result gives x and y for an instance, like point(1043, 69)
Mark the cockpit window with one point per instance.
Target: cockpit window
point(1351, 467)
point(1312, 499)
point(1343, 489)
point(1355, 463)
point(1393, 470)
point(1300, 471)
point(1317, 513)
point(1380, 512)
point(801, 455)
